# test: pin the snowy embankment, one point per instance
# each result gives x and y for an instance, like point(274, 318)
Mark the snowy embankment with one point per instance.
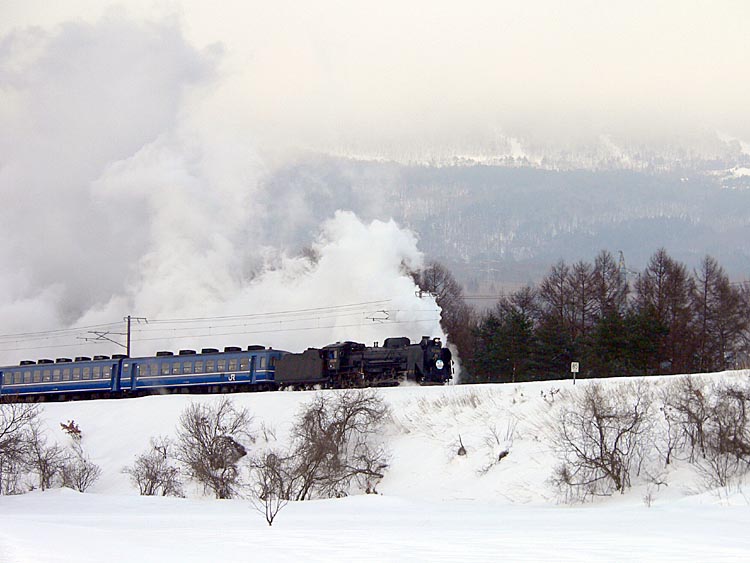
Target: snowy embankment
point(433, 503)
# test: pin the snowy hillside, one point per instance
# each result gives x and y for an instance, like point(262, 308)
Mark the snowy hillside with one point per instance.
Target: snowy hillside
point(433, 504)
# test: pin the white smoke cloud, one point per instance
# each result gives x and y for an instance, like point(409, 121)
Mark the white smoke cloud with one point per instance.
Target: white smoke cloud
point(122, 195)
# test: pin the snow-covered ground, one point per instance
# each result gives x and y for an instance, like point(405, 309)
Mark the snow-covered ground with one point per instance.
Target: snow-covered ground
point(433, 504)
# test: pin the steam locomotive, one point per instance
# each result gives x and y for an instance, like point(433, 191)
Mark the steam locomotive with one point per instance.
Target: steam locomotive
point(339, 365)
point(351, 364)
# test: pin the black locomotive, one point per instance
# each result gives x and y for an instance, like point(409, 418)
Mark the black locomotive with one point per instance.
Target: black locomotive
point(352, 364)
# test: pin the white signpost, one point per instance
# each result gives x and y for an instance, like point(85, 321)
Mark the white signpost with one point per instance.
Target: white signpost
point(574, 370)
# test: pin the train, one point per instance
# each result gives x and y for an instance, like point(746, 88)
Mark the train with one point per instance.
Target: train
point(255, 368)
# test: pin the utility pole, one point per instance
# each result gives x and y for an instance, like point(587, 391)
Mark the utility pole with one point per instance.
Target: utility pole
point(127, 346)
point(128, 319)
point(106, 335)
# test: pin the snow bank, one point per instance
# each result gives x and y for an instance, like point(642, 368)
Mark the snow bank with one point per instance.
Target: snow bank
point(433, 503)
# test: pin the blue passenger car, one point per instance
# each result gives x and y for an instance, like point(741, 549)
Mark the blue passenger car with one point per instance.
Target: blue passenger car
point(207, 371)
point(82, 377)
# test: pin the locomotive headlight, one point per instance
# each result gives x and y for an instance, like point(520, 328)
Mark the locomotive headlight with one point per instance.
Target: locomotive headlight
point(439, 364)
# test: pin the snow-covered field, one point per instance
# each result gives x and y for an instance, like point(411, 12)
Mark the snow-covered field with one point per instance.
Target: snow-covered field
point(433, 504)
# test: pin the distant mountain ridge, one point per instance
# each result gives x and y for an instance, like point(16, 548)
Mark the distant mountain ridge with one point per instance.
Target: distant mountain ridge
point(499, 225)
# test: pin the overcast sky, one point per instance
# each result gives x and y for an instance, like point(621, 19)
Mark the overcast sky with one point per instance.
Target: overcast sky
point(347, 75)
point(133, 139)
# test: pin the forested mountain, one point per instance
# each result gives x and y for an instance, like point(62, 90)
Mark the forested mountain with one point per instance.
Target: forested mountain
point(498, 226)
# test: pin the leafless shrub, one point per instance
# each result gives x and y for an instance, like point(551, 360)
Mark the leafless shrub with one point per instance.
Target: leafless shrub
point(16, 421)
point(600, 438)
point(334, 444)
point(711, 423)
point(12, 472)
point(686, 410)
point(45, 461)
point(209, 447)
point(78, 471)
point(726, 436)
point(499, 444)
point(270, 479)
point(549, 396)
point(267, 433)
point(154, 472)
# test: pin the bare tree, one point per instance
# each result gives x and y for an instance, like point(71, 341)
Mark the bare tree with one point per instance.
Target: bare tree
point(457, 318)
point(154, 472)
point(610, 287)
point(665, 288)
point(335, 443)
point(580, 282)
point(719, 315)
point(269, 483)
point(601, 437)
point(46, 461)
point(209, 444)
point(16, 420)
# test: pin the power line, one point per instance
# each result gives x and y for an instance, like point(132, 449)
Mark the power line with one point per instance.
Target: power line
point(45, 334)
point(234, 333)
point(271, 314)
point(306, 318)
point(296, 329)
point(60, 331)
point(315, 318)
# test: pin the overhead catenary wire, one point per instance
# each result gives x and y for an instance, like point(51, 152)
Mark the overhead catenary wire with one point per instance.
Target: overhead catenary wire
point(31, 335)
point(233, 333)
point(270, 314)
point(274, 330)
point(151, 329)
point(314, 318)
point(58, 332)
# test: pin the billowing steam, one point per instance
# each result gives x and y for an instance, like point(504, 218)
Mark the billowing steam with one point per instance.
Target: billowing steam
point(126, 190)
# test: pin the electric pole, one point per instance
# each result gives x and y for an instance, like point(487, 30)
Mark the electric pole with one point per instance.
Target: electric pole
point(105, 335)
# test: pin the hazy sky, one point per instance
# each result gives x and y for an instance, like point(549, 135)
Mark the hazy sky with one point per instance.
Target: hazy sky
point(347, 75)
point(130, 181)
point(134, 140)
